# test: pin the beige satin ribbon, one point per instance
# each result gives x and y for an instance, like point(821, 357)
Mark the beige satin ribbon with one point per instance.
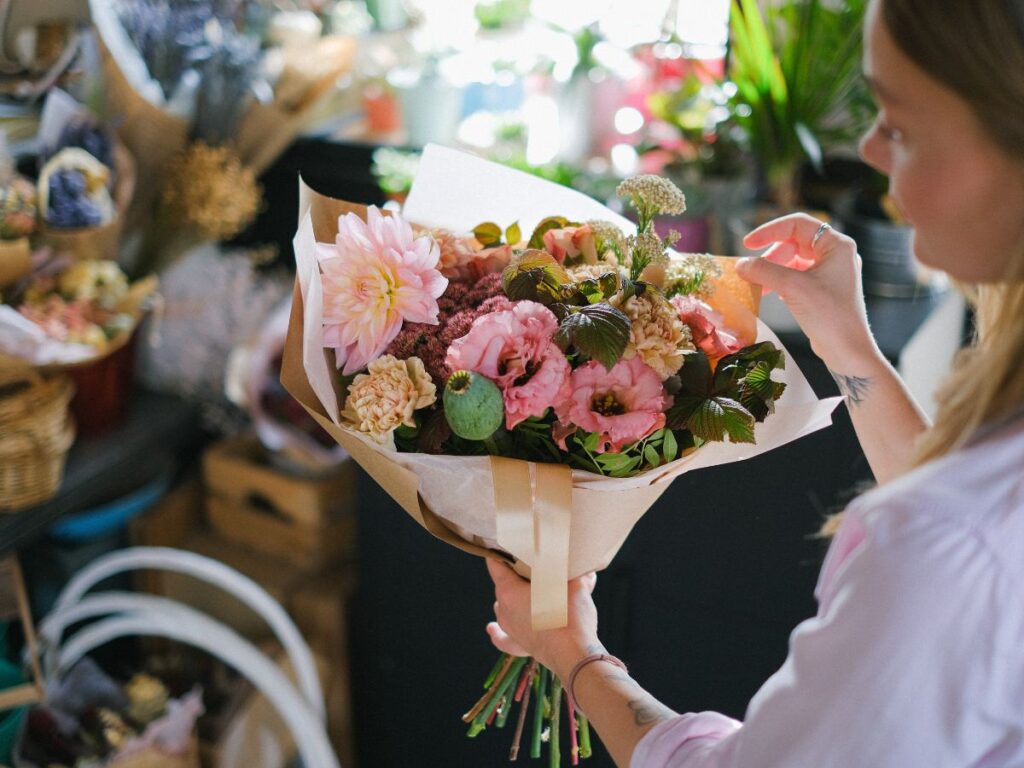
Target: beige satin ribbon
point(533, 521)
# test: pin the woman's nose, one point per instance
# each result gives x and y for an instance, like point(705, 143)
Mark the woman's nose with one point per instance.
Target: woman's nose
point(873, 151)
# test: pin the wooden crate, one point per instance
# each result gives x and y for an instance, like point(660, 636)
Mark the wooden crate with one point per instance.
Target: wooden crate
point(265, 532)
point(238, 470)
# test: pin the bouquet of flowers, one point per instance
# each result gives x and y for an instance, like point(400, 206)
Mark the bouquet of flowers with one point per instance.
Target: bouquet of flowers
point(529, 396)
point(73, 313)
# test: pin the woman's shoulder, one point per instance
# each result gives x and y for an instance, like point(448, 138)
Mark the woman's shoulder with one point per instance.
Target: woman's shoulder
point(975, 492)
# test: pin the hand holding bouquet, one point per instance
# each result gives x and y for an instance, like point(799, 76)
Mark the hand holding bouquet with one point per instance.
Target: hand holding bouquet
point(529, 392)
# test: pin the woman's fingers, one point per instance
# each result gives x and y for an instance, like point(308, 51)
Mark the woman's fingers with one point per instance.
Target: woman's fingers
point(770, 276)
point(500, 572)
point(503, 642)
point(799, 227)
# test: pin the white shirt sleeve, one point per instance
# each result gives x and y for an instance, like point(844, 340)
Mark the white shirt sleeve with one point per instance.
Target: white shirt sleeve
point(914, 659)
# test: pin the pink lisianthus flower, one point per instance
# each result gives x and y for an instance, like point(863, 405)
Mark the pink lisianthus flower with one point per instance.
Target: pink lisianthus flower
point(571, 243)
point(376, 276)
point(706, 327)
point(622, 405)
point(514, 348)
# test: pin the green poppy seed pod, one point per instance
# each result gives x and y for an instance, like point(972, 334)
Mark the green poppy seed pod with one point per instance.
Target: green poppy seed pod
point(472, 405)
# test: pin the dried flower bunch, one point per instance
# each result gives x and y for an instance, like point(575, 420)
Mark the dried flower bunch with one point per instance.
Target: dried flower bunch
point(209, 190)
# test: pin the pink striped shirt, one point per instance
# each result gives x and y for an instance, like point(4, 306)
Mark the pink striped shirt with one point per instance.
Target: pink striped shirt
point(916, 655)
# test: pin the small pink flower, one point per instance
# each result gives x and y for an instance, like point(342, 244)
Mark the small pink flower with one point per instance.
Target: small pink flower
point(514, 348)
point(570, 243)
point(376, 276)
point(706, 326)
point(622, 405)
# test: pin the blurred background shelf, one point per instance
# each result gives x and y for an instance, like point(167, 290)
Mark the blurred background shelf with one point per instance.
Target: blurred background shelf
point(146, 446)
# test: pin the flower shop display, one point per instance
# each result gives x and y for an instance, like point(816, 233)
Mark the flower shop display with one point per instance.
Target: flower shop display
point(527, 387)
point(206, 107)
point(70, 313)
point(78, 692)
point(86, 181)
point(17, 222)
point(35, 434)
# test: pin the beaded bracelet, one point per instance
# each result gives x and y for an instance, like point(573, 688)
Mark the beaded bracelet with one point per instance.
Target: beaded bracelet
point(581, 664)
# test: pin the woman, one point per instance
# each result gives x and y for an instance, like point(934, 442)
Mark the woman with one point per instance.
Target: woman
point(916, 654)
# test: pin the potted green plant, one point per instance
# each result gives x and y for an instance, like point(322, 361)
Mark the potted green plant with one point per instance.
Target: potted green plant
point(799, 91)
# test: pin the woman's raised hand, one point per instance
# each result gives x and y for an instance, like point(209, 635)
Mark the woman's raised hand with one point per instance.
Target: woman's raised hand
point(816, 272)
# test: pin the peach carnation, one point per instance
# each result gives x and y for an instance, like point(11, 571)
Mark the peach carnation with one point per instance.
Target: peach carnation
point(656, 334)
point(514, 348)
point(622, 405)
point(388, 396)
point(375, 277)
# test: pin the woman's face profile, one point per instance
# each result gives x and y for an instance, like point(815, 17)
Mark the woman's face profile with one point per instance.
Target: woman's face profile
point(960, 191)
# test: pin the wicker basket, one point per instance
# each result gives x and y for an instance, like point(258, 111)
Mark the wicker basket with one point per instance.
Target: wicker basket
point(35, 434)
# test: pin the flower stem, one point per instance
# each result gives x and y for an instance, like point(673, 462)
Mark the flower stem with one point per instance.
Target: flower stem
point(585, 750)
point(554, 752)
point(574, 748)
point(496, 678)
point(507, 681)
point(538, 713)
point(531, 673)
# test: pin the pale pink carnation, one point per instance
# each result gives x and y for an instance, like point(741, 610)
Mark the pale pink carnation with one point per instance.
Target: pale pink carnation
point(514, 348)
point(571, 243)
point(707, 327)
point(376, 276)
point(622, 405)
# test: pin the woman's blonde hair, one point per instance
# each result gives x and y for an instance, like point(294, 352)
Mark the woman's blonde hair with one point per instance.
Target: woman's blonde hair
point(977, 50)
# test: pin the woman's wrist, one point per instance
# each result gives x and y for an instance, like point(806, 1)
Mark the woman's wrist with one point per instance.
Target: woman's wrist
point(864, 359)
point(564, 654)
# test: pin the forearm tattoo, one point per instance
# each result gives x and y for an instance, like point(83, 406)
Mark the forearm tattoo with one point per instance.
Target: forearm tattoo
point(853, 388)
point(646, 709)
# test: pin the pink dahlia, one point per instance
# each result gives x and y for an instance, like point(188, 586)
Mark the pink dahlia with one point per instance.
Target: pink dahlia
point(706, 327)
point(376, 276)
point(514, 348)
point(622, 405)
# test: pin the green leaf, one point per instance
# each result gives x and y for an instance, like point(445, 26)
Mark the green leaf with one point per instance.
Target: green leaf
point(670, 449)
point(717, 417)
point(513, 234)
point(695, 375)
point(651, 455)
point(536, 276)
point(551, 222)
point(614, 461)
point(591, 289)
point(488, 233)
point(609, 283)
point(599, 331)
point(591, 440)
point(811, 146)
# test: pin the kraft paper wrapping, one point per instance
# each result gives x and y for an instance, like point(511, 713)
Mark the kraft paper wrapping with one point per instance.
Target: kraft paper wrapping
point(266, 130)
point(152, 135)
point(551, 522)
